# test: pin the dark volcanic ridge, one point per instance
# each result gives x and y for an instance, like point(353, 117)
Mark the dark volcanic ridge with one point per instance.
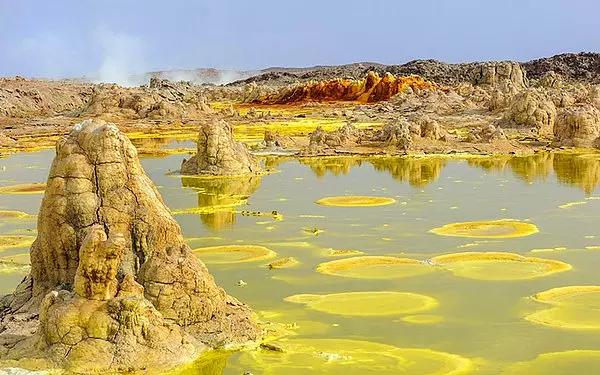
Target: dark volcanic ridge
point(584, 66)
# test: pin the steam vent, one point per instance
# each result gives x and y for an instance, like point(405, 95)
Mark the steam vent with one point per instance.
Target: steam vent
point(113, 286)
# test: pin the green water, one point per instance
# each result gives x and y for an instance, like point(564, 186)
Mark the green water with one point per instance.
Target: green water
point(479, 320)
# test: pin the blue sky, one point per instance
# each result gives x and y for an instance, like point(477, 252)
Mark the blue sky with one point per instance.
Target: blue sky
point(62, 38)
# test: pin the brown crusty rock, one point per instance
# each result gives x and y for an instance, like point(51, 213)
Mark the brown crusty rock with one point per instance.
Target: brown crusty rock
point(21, 98)
point(430, 128)
point(396, 136)
point(6, 141)
point(113, 281)
point(99, 260)
point(551, 80)
point(275, 141)
point(486, 134)
point(161, 99)
point(530, 110)
point(123, 333)
point(578, 127)
point(497, 73)
point(219, 154)
point(593, 96)
point(322, 142)
point(435, 102)
point(499, 99)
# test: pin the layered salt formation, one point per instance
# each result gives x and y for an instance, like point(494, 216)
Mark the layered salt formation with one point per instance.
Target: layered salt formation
point(114, 284)
point(219, 154)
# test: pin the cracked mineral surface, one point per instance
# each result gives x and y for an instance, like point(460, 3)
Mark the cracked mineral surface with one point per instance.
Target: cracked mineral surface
point(111, 276)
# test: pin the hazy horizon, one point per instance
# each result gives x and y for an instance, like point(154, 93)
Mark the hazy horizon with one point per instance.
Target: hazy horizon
point(113, 40)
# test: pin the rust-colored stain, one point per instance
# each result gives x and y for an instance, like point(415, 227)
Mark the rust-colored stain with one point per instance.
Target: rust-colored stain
point(371, 89)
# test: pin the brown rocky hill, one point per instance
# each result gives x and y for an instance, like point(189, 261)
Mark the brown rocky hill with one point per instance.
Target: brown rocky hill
point(573, 66)
point(583, 66)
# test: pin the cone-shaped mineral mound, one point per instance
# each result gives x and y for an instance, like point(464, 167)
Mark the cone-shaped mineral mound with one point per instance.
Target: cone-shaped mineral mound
point(219, 154)
point(340, 356)
point(366, 303)
point(355, 201)
point(573, 307)
point(487, 229)
point(114, 284)
point(376, 267)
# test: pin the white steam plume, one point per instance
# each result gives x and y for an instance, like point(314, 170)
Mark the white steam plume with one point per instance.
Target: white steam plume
point(122, 57)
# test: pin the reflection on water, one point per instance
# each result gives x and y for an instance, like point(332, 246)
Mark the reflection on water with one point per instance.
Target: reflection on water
point(578, 170)
point(477, 319)
point(219, 196)
point(335, 165)
point(272, 162)
point(496, 163)
point(532, 168)
point(418, 172)
point(582, 171)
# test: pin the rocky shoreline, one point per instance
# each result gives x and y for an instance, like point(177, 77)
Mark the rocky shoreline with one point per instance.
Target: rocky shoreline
point(120, 285)
point(489, 108)
point(128, 291)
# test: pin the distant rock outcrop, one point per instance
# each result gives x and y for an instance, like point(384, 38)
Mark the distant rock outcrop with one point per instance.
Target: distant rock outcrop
point(371, 89)
point(277, 142)
point(20, 97)
point(583, 67)
point(161, 99)
point(219, 154)
point(486, 134)
point(578, 127)
point(531, 111)
point(322, 142)
point(429, 128)
point(430, 101)
point(113, 281)
point(573, 66)
point(499, 73)
point(551, 80)
point(396, 136)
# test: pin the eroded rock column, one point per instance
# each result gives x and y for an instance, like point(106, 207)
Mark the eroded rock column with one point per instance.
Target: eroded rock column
point(115, 285)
